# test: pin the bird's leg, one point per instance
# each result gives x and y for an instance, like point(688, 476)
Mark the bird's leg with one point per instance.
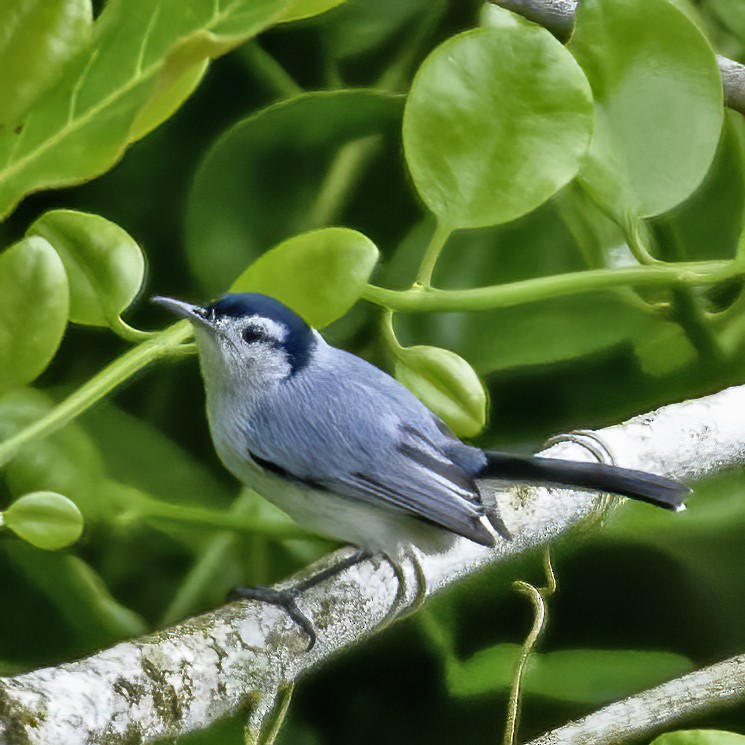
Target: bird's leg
point(286, 598)
point(400, 606)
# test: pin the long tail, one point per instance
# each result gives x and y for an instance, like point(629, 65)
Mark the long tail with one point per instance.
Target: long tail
point(645, 487)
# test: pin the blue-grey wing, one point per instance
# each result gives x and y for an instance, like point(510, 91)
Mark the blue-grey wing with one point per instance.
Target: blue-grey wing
point(354, 430)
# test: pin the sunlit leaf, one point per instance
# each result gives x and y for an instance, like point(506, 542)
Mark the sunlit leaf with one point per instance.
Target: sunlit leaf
point(699, 737)
point(658, 96)
point(297, 10)
point(496, 122)
point(45, 519)
point(446, 384)
point(320, 274)
point(145, 57)
point(104, 265)
point(33, 310)
point(37, 39)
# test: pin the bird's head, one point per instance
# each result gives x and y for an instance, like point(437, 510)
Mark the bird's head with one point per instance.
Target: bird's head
point(249, 336)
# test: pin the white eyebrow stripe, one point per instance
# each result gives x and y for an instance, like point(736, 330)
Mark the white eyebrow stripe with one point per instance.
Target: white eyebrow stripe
point(274, 329)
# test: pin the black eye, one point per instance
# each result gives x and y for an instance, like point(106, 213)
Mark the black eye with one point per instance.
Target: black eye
point(251, 334)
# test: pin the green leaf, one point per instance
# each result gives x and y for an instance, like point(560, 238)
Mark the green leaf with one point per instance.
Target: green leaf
point(360, 27)
point(732, 14)
point(66, 462)
point(320, 274)
point(83, 599)
point(45, 519)
point(496, 122)
point(38, 38)
point(580, 676)
point(183, 80)
point(145, 57)
point(541, 333)
point(262, 181)
point(297, 10)
point(104, 265)
point(699, 737)
point(446, 384)
point(33, 310)
point(134, 451)
point(658, 98)
point(709, 224)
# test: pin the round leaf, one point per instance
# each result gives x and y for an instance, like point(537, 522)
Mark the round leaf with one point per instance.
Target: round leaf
point(699, 737)
point(658, 93)
point(104, 265)
point(45, 519)
point(446, 384)
point(33, 310)
point(263, 180)
point(496, 122)
point(320, 274)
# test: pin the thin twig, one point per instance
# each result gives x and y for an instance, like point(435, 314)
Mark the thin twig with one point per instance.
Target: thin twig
point(538, 601)
point(658, 708)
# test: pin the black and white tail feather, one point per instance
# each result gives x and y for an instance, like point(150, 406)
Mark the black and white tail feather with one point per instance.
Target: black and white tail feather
point(640, 485)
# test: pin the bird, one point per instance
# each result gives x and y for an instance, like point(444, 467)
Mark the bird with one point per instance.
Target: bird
point(348, 451)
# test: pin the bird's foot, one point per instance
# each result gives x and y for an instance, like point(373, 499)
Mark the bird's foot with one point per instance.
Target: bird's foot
point(286, 598)
point(402, 606)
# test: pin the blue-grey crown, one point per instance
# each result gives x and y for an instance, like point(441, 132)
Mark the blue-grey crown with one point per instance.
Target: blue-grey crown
point(299, 342)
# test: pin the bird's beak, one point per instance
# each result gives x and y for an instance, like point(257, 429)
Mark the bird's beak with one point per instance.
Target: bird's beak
point(194, 313)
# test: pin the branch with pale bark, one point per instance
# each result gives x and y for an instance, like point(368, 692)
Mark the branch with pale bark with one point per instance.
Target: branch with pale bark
point(658, 708)
point(558, 17)
point(246, 656)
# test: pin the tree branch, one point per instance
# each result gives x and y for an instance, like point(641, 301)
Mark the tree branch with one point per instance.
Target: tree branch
point(657, 708)
point(558, 17)
point(245, 656)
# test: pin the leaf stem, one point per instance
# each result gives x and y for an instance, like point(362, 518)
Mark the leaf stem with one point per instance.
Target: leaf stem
point(269, 71)
point(153, 510)
point(124, 331)
point(432, 253)
point(421, 299)
point(209, 565)
point(163, 344)
point(637, 242)
point(389, 333)
point(344, 173)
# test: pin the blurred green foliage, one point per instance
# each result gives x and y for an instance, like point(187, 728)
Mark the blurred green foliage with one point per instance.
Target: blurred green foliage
point(579, 209)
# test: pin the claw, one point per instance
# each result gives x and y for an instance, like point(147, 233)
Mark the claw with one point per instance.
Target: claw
point(284, 599)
